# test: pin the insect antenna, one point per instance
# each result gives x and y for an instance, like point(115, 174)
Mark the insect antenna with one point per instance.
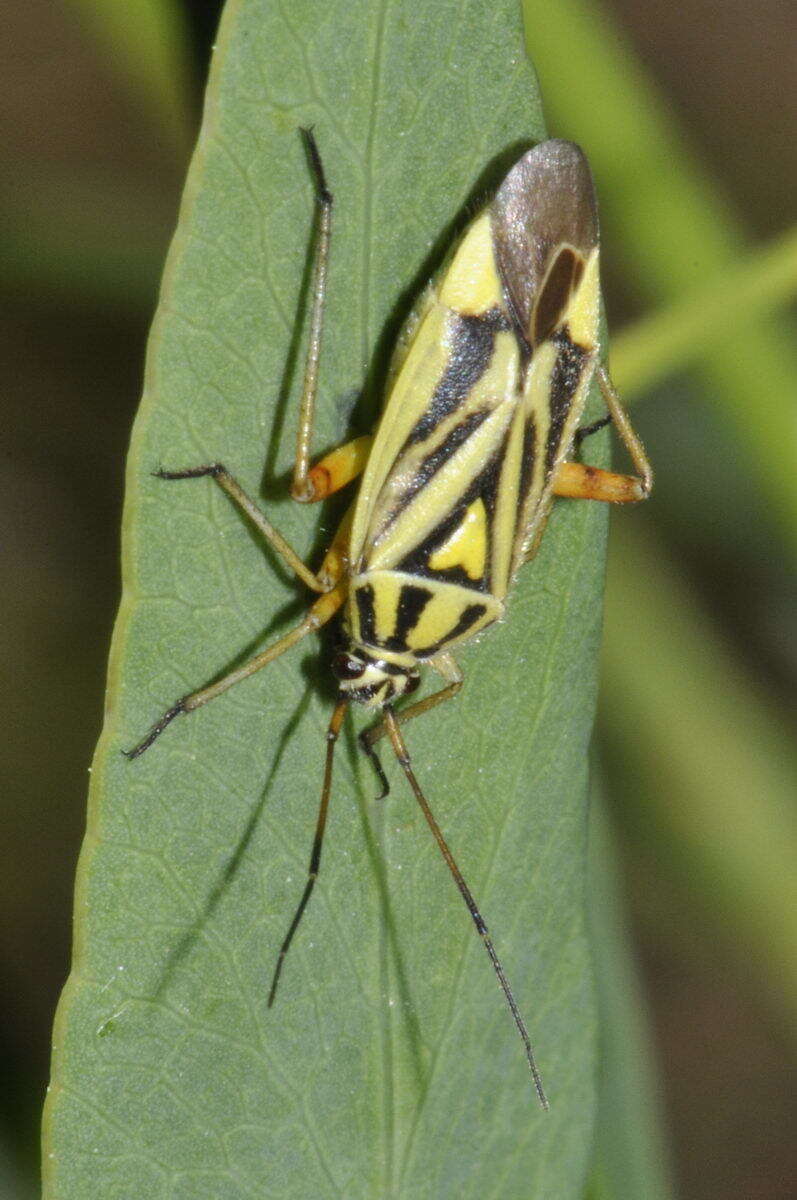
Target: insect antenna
point(400, 750)
point(335, 723)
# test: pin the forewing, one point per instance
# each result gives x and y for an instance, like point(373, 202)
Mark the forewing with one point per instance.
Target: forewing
point(545, 230)
point(545, 225)
point(446, 418)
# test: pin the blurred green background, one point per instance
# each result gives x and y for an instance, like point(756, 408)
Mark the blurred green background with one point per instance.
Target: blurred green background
point(693, 153)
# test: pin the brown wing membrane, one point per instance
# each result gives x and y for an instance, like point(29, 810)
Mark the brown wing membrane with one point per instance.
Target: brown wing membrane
point(546, 201)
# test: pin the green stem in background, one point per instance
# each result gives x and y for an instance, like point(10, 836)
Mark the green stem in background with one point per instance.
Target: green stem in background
point(663, 209)
point(673, 337)
point(717, 773)
point(147, 40)
point(105, 248)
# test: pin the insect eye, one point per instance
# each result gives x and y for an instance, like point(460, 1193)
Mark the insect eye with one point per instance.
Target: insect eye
point(412, 684)
point(346, 667)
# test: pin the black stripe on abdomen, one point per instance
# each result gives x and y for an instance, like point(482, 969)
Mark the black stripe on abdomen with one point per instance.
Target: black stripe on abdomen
point(467, 619)
point(364, 598)
point(565, 378)
point(483, 487)
point(412, 602)
point(472, 342)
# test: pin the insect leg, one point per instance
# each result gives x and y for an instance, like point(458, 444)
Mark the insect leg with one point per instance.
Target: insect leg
point(580, 482)
point(626, 431)
point(445, 665)
point(336, 469)
point(300, 489)
point(238, 496)
point(587, 430)
point(576, 481)
point(400, 750)
point(318, 614)
point(318, 841)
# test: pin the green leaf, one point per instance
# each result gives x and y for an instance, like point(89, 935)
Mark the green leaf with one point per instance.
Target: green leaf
point(389, 1065)
point(630, 1159)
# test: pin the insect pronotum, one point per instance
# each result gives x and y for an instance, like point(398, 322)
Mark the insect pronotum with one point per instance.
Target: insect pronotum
point(484, 398)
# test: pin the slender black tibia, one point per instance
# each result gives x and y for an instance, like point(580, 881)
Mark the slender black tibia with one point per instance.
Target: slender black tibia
point(318, 841)
point(587, 430)
point(156, 730)
point(400, 750)
point(367, 747)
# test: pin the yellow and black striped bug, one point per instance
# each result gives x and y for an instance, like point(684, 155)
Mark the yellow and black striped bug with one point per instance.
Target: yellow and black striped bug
point(484, 398)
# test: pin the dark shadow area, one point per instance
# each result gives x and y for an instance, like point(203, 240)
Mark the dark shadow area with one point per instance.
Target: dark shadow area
point(215, 895)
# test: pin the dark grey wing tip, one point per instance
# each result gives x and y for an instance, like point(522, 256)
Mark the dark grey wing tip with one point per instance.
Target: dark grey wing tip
point(548, 198)
point(552, 171)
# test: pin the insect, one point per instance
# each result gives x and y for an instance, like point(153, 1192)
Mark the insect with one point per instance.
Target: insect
point(483, 402)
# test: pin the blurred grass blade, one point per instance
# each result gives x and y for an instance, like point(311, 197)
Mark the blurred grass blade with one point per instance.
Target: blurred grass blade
point(676, 335)
point(630, 1160)
point(388, 1066)
point(716, 769)
point(714, 765)
point(659, 203)
point(147, 41)
point(105, 248)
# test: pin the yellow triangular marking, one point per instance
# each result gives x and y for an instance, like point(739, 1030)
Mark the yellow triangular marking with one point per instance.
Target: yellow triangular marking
point(466, 547)
point(471, 285)
point(583, 311)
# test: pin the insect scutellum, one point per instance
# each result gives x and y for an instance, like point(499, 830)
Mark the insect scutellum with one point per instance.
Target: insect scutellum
point(484, 400)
